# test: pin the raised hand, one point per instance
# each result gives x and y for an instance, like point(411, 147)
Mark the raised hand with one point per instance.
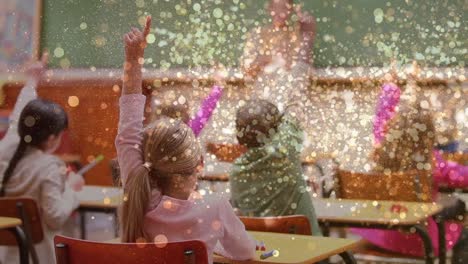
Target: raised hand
point(392, 75)
point(415, 71)
point(220, 74)
point(36, 69)
point(306, 21)
point(135, 42)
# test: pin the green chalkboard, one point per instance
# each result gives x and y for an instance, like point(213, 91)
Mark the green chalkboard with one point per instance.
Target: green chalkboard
point(196, 32)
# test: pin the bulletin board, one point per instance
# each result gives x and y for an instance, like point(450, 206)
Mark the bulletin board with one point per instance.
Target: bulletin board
point(19, 33)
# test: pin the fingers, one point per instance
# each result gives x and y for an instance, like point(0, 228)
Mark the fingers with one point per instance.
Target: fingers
point(416, 69)
point(147, 27)
point(299, 10)
point(45, 58)
point(132, 36)
point(136, 31)
point(127, 38)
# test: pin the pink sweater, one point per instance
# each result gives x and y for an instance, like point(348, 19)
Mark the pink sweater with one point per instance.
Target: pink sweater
point(445, 172)
point(210, 220)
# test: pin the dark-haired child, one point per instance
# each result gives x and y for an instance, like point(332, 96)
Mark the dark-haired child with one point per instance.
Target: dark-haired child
point(27, 167)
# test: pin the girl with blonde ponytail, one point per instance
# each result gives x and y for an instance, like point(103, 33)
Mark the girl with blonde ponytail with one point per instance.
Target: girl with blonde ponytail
point(159, 167)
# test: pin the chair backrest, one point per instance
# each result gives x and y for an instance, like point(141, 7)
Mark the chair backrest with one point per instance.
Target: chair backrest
point(74, 251)
point(410, 186)
point(25, 209)
point(291, 224)
point(225, 152)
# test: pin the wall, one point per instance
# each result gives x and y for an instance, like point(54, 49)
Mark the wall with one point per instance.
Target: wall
point(350, 32)
point(340, 120)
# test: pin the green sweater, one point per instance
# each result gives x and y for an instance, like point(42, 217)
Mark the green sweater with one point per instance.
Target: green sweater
point(268, 180)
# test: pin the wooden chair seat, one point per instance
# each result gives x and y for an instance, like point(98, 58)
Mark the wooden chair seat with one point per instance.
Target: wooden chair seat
point(291, 224)
point(76, 251)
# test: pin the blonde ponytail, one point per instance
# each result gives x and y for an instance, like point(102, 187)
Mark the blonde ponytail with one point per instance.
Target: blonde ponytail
point(169, 148)
point(136, 199)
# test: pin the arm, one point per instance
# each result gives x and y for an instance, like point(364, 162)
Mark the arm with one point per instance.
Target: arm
point(252, 62)
point(236, 243)
point(298, 78)
point(307, 29)
point(132, 102)
point(58, 200)
point(27, 94)
point(198, 122)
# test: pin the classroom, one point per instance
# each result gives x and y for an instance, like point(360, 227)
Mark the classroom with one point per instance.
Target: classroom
point(233, 131)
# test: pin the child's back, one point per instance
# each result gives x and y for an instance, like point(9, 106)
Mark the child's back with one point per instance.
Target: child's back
point(42, 177)
point(268, 179)
point(26, 168)
point(209, 219)
point(159, 167)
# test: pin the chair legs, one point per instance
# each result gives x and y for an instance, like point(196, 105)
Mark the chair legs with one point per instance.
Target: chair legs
point(189, 257)
point(22, 244)
point(61, 253)
point(27, 232)
point(428, 249)
point(442, 244)
point(348, 258)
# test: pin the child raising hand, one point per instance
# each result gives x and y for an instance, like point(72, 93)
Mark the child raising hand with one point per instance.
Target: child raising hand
point(159, 167)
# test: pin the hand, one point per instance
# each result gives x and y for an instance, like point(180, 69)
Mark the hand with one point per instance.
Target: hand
point(75, 181)
point(306, 21)
point(36, 69)
point(135, 42)
point(220, 74)
point(392, 75)
point(415, 71)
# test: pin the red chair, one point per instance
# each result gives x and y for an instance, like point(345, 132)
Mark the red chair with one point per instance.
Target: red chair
point(27, 210)
point(74, 251)
point(291, 224)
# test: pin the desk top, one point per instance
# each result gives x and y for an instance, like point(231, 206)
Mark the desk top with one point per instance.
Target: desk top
point(7, 222)
point(293, 248)
point(373, 212)
point(101, 197)
point(297, 248)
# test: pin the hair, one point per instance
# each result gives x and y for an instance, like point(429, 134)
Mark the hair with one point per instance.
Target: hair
point(38, 121)
point(256, 121)
point(169, 148)
point(409, 141)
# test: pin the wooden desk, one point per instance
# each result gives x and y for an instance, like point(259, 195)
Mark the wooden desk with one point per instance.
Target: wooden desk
point(102, 199)
point(295, 248)
point(13, 225)
point(299, 248)
point(377, 214)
